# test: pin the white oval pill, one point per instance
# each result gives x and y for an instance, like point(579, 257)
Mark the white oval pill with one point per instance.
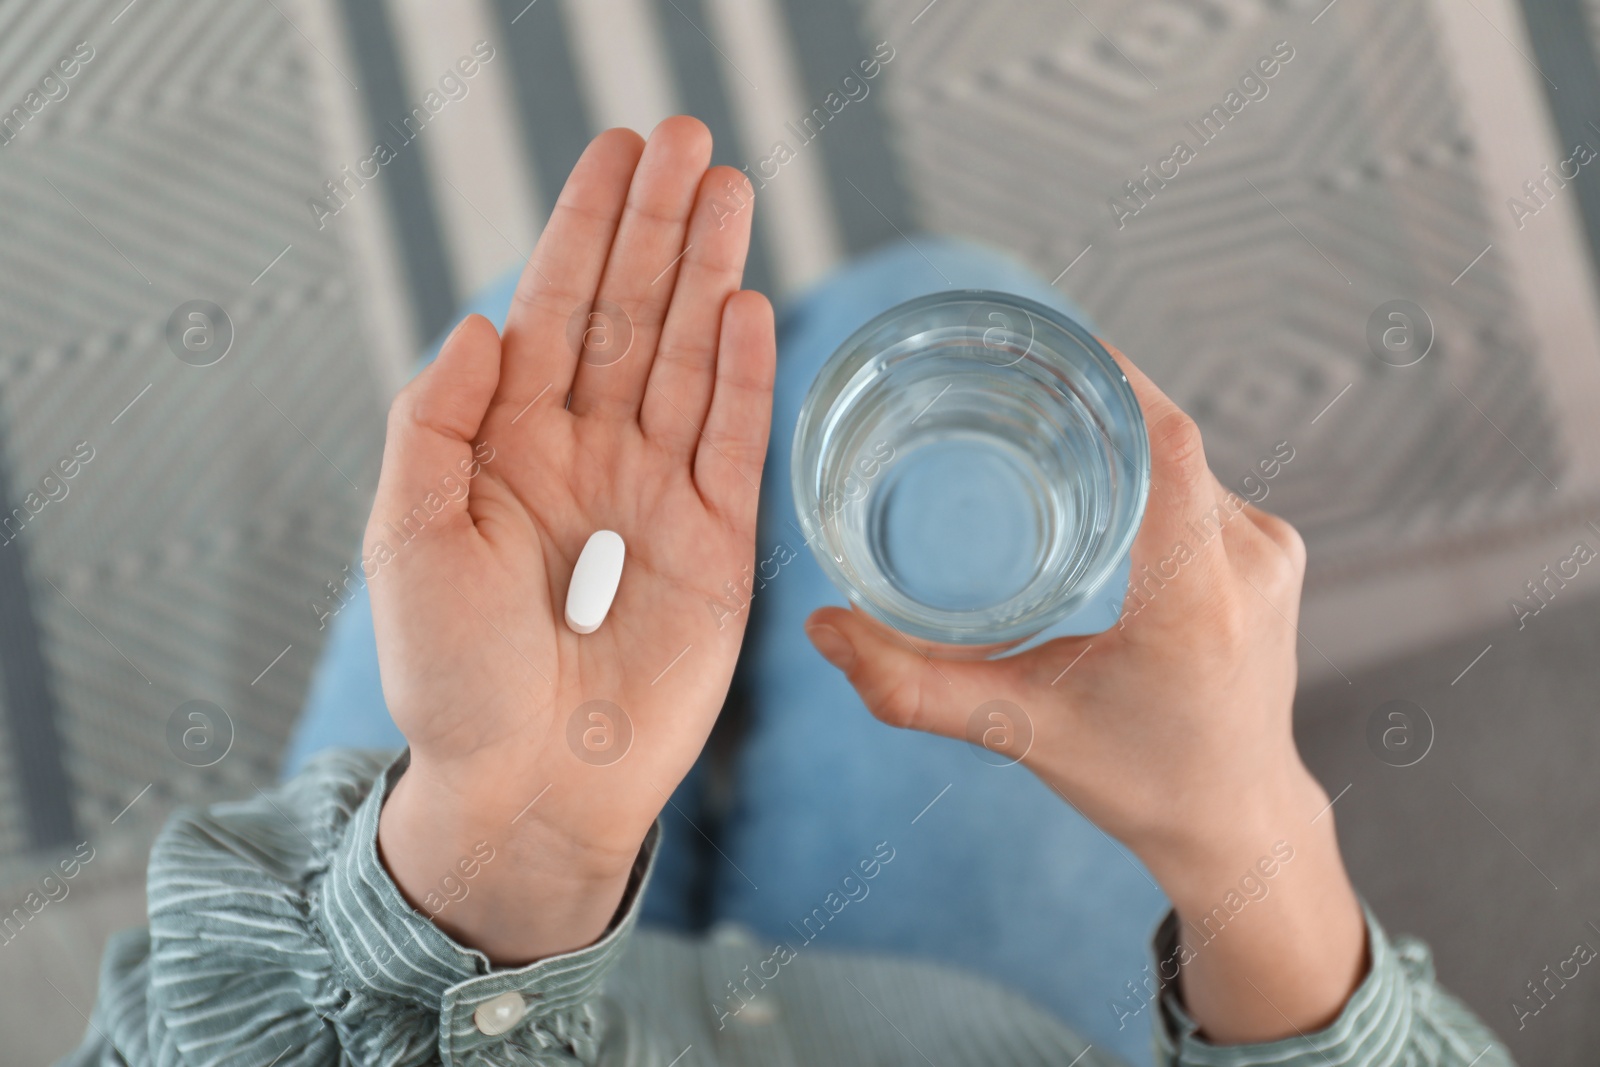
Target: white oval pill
point(594, 581)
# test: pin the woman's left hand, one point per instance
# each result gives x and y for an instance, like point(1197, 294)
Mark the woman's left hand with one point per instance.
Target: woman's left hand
point(631, 392)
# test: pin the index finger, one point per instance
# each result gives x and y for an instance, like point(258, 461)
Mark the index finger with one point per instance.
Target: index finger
point(1186, 506)
point(564, 271)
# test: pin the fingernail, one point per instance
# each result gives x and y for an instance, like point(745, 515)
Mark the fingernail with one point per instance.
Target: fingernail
point(832, 644)
point(452, 335)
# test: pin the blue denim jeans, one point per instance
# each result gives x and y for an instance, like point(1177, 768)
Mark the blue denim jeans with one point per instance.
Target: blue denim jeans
point(990, 870)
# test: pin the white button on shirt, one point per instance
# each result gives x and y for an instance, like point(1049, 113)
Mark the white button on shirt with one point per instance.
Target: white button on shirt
point(758, 1012)
point(499, 1014)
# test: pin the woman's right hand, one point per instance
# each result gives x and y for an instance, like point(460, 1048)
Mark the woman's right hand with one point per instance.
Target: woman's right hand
point(1172, 732)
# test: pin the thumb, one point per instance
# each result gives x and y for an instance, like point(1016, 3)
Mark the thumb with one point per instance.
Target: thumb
point(428, 456)
point(896, 680)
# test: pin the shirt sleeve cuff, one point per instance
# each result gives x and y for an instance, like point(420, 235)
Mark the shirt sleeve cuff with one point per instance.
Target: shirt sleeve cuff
point(1372, 1028)
point(392, 957)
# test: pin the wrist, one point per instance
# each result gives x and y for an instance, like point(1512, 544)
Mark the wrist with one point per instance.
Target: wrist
point(548, 816)
point(1286, 962)
point(497, 874)
point(1272, 938)
point(1211, 842)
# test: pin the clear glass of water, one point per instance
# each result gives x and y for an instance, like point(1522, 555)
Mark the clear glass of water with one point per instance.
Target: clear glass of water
point(970, 468)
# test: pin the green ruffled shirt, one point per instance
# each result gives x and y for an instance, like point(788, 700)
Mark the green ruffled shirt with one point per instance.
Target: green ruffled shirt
point(277, 937)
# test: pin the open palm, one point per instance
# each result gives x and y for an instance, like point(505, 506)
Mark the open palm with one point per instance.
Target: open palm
point(631, 391)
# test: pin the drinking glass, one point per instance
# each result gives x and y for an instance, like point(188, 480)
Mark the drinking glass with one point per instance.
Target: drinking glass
point(970, 468)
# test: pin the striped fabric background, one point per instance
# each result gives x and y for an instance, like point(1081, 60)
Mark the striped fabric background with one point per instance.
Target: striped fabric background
point(188, 158)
